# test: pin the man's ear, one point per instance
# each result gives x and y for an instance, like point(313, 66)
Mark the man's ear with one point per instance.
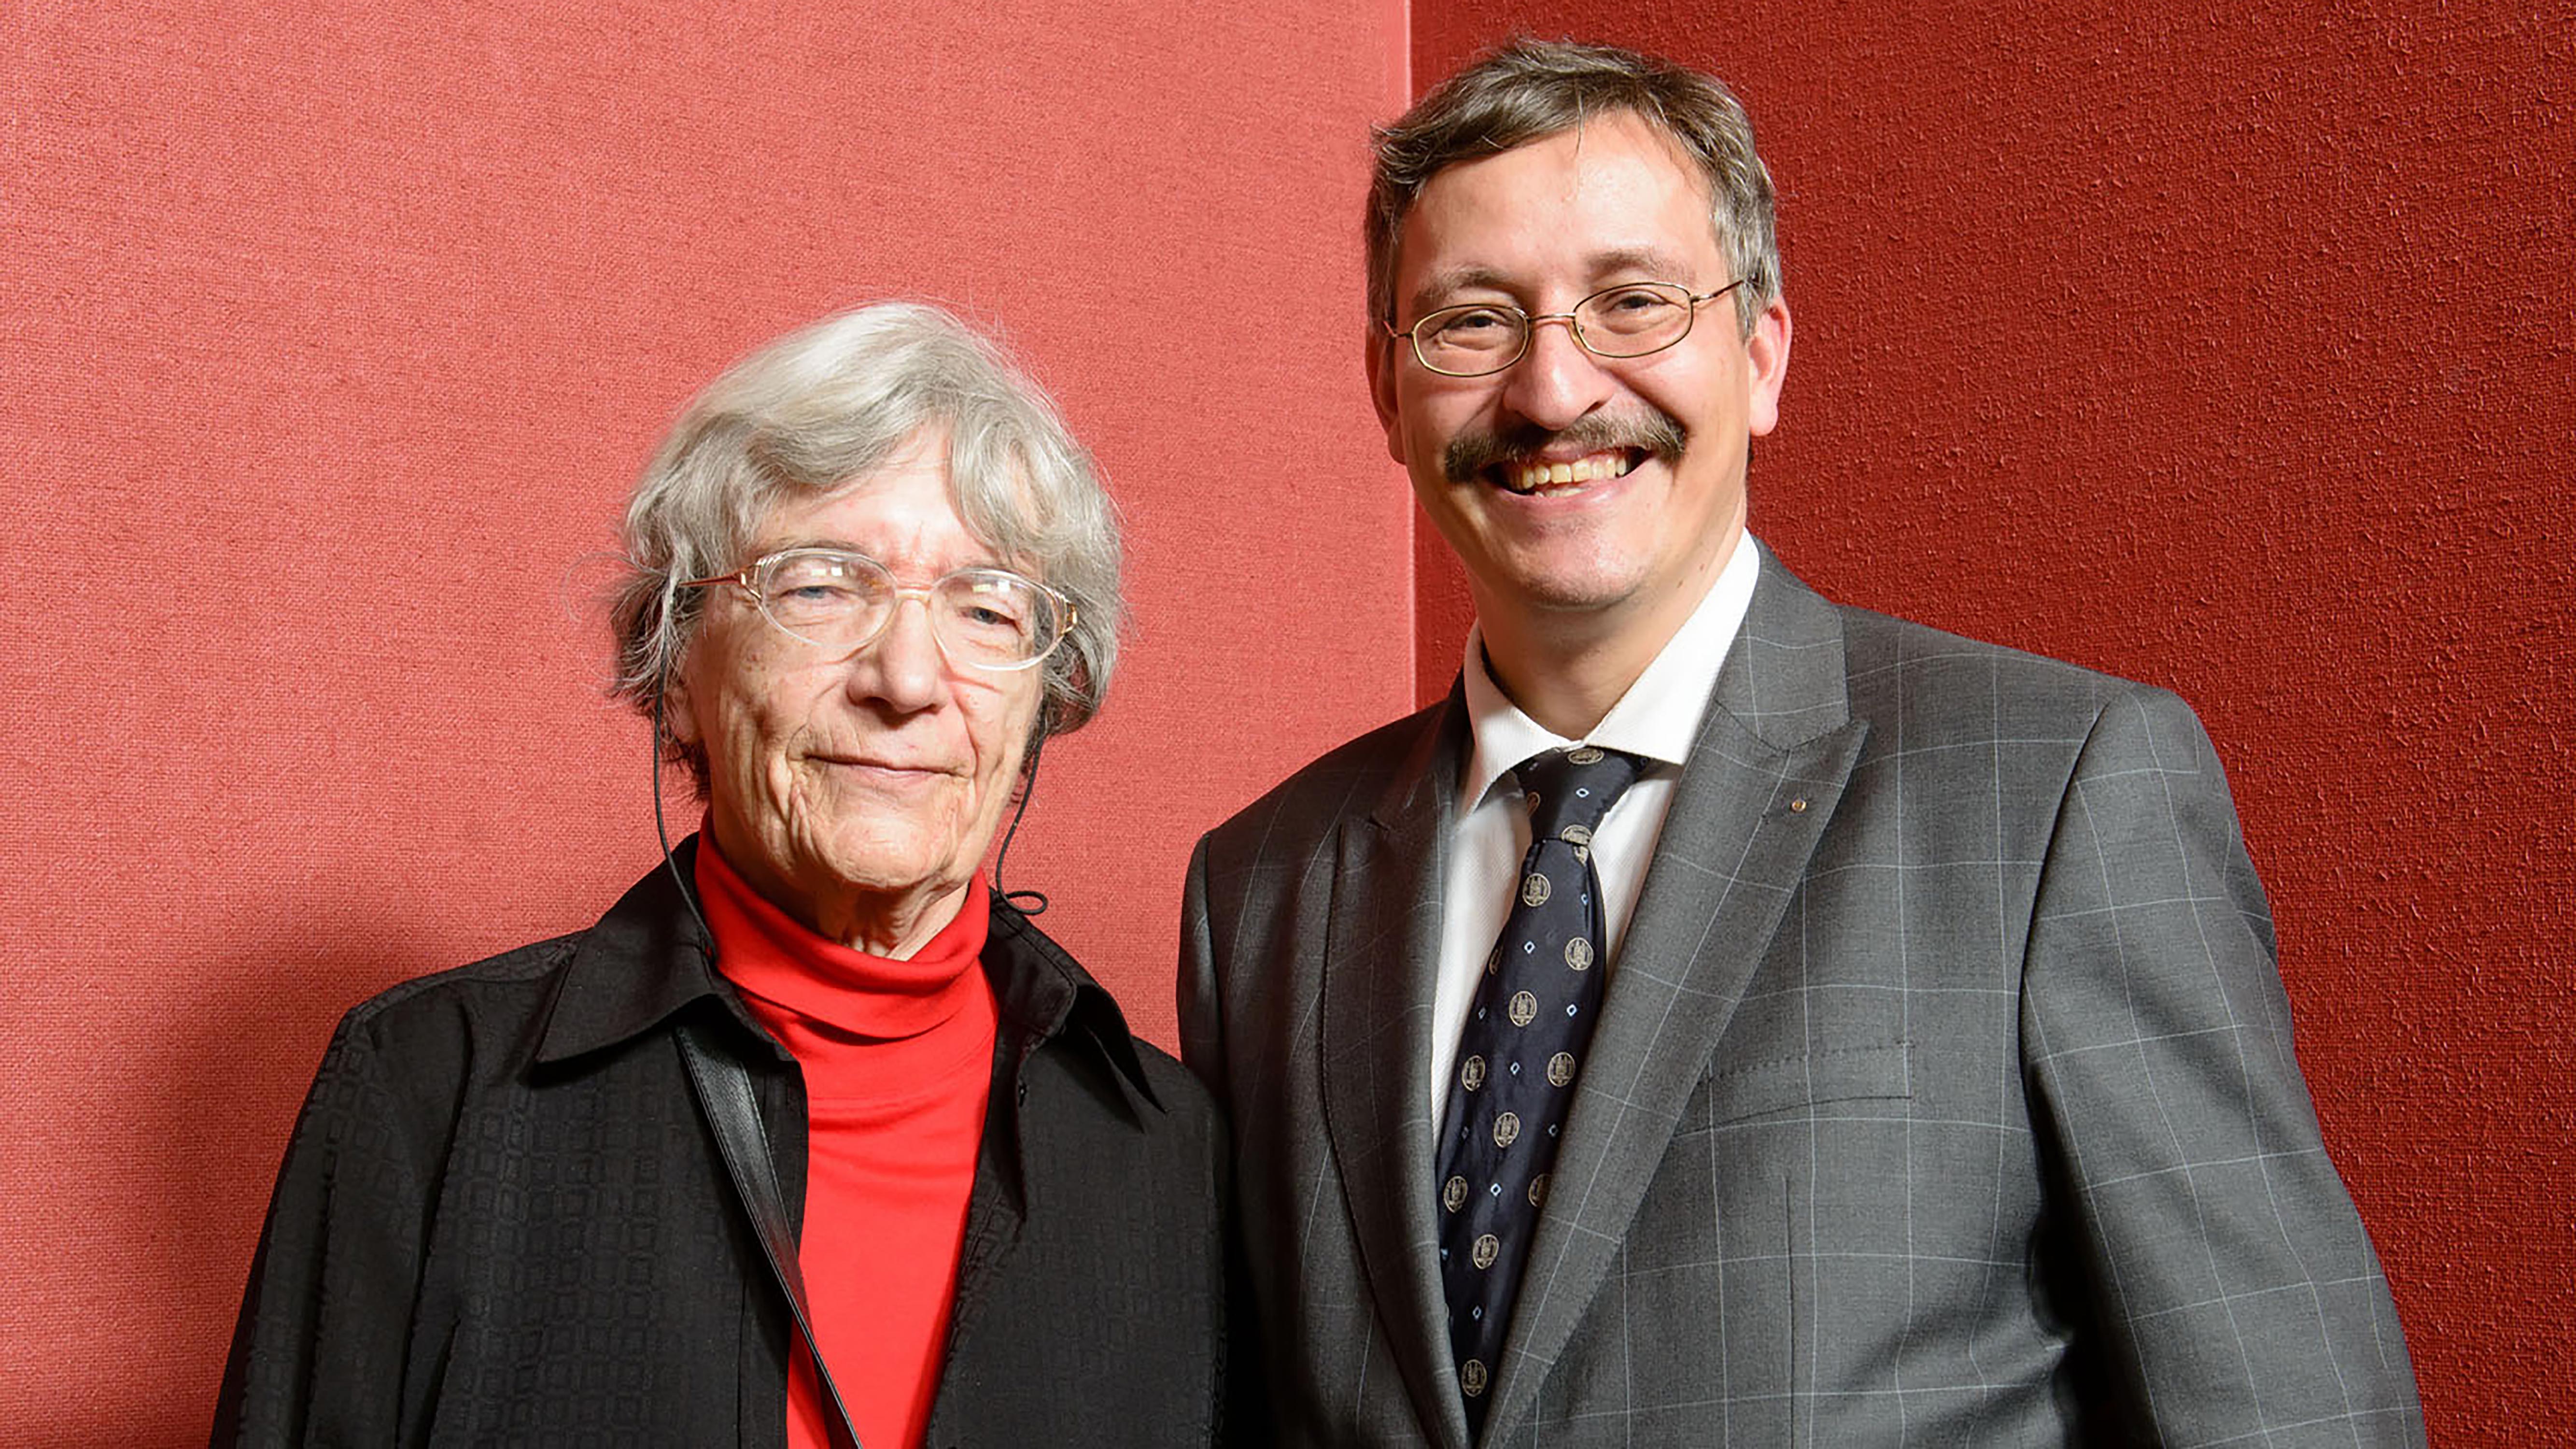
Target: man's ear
point(1384, 356)
point(1767, 354)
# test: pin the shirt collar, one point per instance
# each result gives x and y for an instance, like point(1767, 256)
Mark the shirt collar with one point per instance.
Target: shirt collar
point(649, 957)
point(1657, 718)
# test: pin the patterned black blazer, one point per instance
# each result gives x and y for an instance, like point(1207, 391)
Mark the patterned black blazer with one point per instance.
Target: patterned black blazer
point(503, 1220)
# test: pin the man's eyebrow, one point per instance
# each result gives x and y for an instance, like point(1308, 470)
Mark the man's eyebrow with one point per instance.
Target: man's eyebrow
point(1639, 264)
point(1635, 264)
point(1447, 283)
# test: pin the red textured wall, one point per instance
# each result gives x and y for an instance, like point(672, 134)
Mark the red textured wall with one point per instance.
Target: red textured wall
point(2219, 347)
point(2226, 347)
point(335, 333)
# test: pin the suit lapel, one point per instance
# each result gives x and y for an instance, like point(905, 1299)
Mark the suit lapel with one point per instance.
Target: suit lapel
point(1382, 949)
point(1766, 769)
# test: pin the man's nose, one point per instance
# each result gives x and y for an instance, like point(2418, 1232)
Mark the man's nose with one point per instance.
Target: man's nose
point(1556, 380)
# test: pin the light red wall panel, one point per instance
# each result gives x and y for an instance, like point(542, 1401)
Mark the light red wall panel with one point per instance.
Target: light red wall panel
point(335, 334)
point(2225, 347)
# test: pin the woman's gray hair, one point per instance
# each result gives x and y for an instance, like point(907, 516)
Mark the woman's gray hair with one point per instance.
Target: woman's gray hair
point(829, 404)
point(1532, 89)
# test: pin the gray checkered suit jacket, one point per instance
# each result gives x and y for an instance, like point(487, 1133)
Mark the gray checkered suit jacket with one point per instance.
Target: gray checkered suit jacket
point(1943, 1094)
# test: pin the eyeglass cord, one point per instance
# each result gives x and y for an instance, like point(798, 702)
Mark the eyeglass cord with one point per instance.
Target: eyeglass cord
point(1021, 900)
point(662, 833)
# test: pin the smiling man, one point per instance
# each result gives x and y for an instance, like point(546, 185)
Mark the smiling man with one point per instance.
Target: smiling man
point(1731, 1017)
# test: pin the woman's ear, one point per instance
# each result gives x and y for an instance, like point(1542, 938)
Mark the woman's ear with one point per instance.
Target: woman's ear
point(679, 714)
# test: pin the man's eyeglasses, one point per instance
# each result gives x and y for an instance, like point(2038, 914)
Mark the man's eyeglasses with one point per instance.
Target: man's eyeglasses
point(1629, 320)
point(844, 602)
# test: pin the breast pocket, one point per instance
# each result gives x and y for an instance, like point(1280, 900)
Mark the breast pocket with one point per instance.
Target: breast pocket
point(1717, 1273)
point(1817, 1082)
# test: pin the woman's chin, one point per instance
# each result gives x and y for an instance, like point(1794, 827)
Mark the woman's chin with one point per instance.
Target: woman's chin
point(885, 878)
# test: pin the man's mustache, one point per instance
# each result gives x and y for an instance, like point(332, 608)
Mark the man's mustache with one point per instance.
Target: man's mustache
point(1472, 452)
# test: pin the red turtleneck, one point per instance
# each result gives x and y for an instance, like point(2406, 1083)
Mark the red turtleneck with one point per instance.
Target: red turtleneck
point(898, 1059)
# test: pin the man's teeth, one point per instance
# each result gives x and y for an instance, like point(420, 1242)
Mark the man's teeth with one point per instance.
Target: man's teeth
point(1531, 477)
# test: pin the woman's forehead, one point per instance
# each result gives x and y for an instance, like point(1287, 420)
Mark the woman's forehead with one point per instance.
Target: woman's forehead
point(902, 512)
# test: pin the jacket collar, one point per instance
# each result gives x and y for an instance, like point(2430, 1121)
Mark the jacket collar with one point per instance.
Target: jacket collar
point(1038, 985)
point(644, 961)
point(1381, 946)
point(650, 957)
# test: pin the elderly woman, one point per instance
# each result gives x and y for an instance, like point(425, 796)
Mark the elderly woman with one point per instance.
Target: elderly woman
point(815, 1085)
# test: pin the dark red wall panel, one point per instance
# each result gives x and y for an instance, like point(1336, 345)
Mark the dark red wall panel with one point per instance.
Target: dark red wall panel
point(2226, 347)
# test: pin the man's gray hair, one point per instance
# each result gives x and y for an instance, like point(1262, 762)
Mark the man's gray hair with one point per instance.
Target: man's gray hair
point(827, 405)
point(1532, 89)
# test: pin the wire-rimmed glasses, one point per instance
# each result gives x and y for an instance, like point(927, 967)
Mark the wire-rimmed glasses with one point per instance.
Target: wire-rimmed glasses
point(843, 602)
point(1632, 319)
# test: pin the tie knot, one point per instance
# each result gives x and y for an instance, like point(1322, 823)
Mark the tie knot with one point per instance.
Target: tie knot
point(1572, 789)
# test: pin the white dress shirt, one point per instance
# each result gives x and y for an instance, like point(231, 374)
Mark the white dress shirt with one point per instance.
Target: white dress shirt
point(1656, 720)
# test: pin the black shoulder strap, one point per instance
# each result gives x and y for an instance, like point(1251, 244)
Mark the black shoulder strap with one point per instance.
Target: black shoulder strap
point(724, 1094)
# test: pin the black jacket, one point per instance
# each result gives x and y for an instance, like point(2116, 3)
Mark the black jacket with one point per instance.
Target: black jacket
point(502, 1219)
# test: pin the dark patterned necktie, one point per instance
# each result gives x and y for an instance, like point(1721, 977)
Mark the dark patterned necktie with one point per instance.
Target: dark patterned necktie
point(1519, 1055)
